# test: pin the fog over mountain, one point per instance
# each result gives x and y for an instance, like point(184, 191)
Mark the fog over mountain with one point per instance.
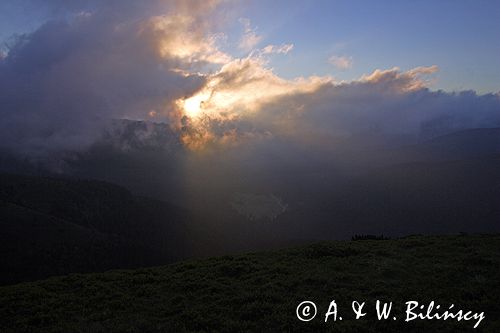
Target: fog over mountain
point(147, 95)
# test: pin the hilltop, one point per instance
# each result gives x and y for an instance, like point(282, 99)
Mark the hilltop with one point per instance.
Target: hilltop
point(260, 291)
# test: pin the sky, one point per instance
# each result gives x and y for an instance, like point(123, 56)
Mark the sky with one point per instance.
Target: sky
point(242, 96)
point(230, 73)
point(346, 39)
point(459, 36)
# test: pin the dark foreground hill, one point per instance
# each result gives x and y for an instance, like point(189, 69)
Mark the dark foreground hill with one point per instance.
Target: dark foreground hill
point(260, 292)
point(53, 226)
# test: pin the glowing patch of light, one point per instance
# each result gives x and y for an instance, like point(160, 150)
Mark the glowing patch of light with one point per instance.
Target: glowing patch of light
point(193, 106)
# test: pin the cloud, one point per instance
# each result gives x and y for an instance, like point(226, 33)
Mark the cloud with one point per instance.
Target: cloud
point(250, 38)
point(157, 60)
point(403, 81)
point(62, 83)
point(247, 101)
point(225, 110)
point(274, 49)
point(392, 103)
point(341, 62)
point(176, 39)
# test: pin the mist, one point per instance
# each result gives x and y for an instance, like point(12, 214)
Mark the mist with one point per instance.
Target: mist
point(110, 91)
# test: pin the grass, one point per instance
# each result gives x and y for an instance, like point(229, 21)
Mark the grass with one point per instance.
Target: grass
point(259, 292)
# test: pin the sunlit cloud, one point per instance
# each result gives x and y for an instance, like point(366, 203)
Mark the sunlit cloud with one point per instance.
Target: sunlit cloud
point(246, 102)
point(277, 49)
point(250, 39)
point(238, 91)
point(168, 65)
point(413, 79)
point(341, 62)
point(176, 38)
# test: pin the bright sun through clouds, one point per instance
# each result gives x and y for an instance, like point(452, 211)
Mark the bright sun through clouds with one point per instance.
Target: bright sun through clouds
point(240, 88)
point(193, 106)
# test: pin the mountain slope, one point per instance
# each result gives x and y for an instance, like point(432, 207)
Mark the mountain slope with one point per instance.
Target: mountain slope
point(260, 291)
point(57, 225)
point(35, 245)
